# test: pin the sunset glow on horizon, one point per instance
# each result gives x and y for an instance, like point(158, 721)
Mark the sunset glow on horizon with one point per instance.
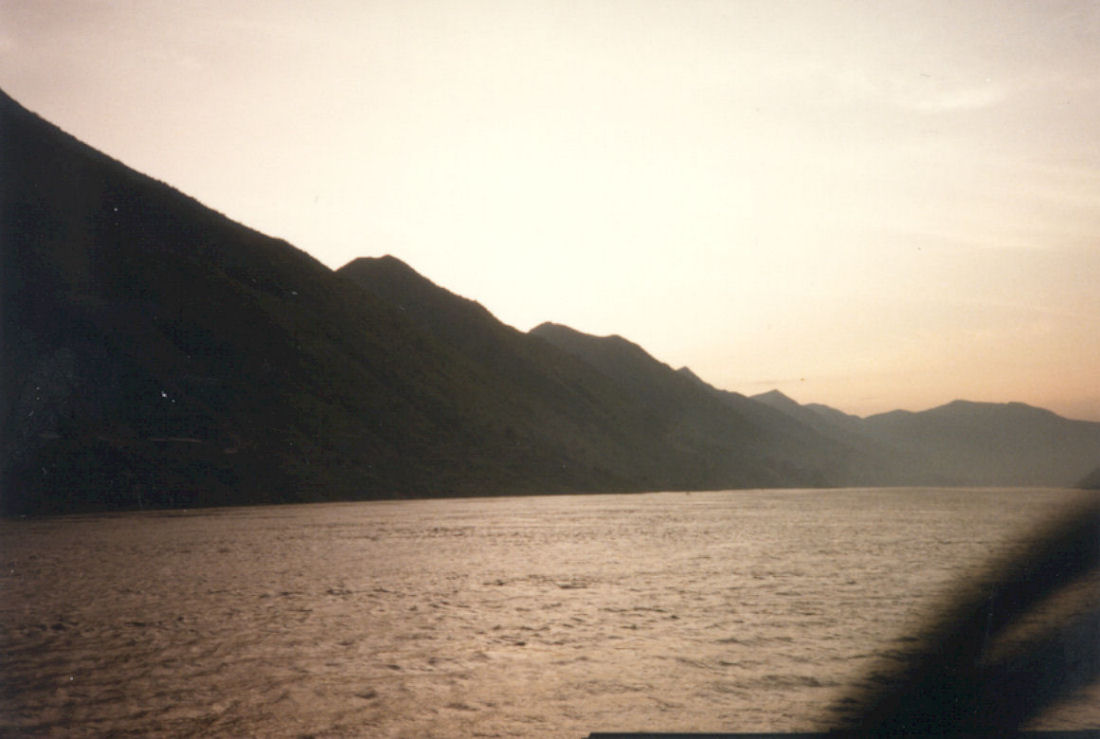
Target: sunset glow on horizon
point(867, 205)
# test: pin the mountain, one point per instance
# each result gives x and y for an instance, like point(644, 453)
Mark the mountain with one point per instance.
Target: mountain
point(972, 443)
point(960, 443)
point(557, 401)
point(156, 353)
point(880, 462)
point(821, 417)
point(693, 412)
point(653, 424)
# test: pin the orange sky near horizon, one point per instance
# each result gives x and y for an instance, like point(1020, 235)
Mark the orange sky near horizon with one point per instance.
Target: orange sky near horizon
point(869, 205)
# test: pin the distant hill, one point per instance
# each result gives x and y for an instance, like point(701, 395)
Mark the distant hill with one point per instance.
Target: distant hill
point(960, 443)
point(154, 353)
point(822, 417)
point(993, 443)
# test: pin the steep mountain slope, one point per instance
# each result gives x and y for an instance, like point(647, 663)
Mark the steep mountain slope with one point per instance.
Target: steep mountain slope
point(553, 399)
point(664, 427)
point(690, 411)
point(820, 417)
point(157, 353)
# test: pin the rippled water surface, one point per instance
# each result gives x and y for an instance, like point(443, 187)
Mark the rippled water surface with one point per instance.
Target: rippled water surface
point(538, 616)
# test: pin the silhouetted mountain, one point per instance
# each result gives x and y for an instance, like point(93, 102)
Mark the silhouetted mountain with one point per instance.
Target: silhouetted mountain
point(688, 411)
point(833, 416)
point(667, 430)
point(876, 462)
point(961, 443)
point(156, 353)
point(686, 372)
point(847, 461)
point(553, 399)
point(971, 443)
point(821, 417)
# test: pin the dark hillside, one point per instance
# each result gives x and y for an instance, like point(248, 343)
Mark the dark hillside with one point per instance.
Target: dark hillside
point(692, 412)
point(992, 443)
point(878, 462)
point(157, 353)
point(820, 417)
point(551, 399)
point(961, 443)
point(642, 419)
point(154, 353)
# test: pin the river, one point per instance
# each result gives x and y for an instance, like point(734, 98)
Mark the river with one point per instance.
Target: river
point(529, 616)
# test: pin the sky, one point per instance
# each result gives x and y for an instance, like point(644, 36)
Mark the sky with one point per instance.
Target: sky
point(872, 205)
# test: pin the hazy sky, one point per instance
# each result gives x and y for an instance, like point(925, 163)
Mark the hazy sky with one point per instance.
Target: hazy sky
point(868, 204)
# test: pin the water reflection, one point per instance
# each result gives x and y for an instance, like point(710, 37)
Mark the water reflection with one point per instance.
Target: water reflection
point(553, 616)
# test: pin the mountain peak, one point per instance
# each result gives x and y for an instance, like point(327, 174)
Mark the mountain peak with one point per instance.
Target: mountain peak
point(391, 279)
point(689, 374)
point(611, 348)
point(546, 326)
point(387, 265)
point(777, 400)
point(774, 396)
point(387, 259)
point(983, 410)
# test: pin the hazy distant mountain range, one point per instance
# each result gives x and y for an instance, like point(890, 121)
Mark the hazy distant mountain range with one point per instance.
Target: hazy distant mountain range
point(157, 354)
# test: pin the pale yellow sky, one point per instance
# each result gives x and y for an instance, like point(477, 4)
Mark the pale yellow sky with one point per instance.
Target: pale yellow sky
point(872, 205)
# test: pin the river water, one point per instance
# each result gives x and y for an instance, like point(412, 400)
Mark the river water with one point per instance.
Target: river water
point(535, 616)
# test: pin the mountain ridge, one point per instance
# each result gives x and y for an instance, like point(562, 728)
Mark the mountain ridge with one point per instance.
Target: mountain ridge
point(173, 322)
point(962, 442)
point(158, 354)
point(609, 391)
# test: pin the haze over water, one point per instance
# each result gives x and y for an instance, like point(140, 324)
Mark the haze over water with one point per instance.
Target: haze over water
point(538, 616)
